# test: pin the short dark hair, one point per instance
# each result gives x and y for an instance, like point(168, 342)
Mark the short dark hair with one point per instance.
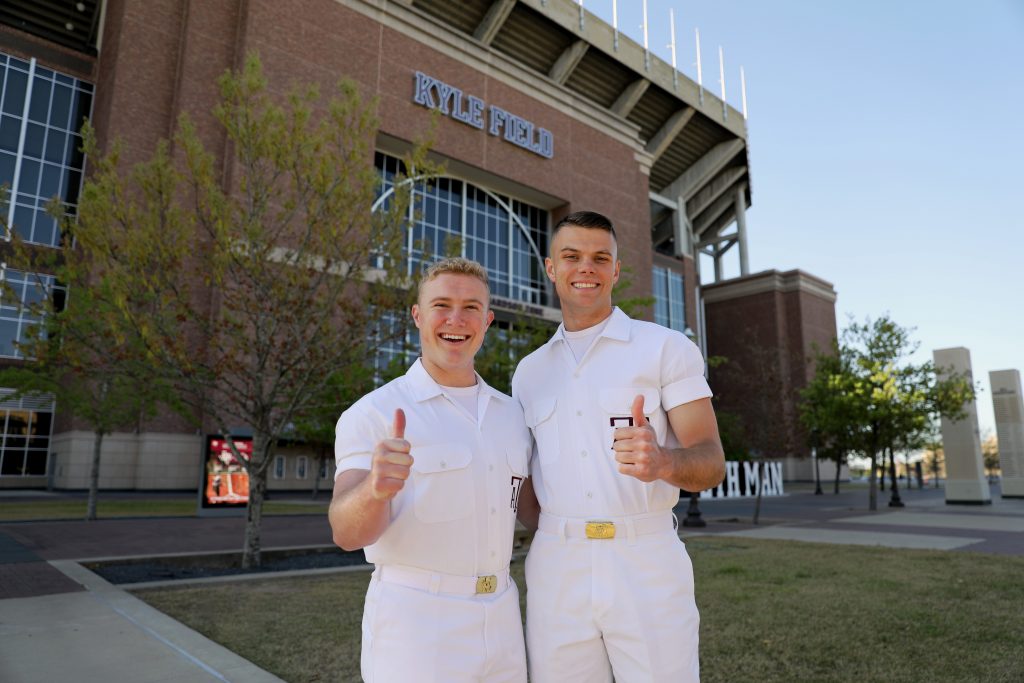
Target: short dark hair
point(586, 219)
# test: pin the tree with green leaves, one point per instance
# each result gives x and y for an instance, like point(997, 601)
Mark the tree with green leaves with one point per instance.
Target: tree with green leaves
point(314, 424)
point(868, 397)
point(247, 281)
point(57, 348)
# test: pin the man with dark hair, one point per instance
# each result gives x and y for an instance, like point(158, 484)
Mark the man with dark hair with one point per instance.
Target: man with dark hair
point(429, 472)
point(622, 419)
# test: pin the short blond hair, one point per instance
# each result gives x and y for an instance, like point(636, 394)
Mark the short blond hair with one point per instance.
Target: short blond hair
point(454, 265)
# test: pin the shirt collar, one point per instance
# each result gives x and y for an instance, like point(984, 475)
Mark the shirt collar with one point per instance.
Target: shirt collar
point(617, 327)
point(423, 387)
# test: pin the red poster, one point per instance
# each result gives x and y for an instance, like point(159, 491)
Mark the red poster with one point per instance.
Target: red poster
point(227, 482)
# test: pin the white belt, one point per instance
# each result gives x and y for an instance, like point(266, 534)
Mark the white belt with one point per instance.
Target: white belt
point(604, 528)
point(436, 582)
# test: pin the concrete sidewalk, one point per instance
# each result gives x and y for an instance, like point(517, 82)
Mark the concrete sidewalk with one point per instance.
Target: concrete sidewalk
point(926, 522)
point(102, 634)
point(58, 621)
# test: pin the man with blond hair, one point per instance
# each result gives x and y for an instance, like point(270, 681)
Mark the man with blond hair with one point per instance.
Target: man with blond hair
point(429, 469)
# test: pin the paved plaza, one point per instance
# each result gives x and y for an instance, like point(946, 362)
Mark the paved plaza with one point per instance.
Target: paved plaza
point(60, 621)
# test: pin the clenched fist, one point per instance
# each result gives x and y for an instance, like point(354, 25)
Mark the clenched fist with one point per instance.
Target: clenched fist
point(391, 462)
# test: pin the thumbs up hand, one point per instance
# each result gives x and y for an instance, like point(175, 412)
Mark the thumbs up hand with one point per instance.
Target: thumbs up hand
point(391, 462)
point(636, 448)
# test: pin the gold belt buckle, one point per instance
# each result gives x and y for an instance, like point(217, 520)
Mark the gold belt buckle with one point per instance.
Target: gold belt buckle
point(486, 584)
point(600, 529)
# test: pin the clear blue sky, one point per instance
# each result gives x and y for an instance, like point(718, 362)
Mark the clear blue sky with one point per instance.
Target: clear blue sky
point(886, 151)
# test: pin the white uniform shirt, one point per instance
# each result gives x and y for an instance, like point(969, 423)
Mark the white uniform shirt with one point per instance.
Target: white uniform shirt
point(570, 409)
point(457, 511)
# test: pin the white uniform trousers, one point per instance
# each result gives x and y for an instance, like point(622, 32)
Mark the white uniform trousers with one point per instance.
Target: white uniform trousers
point(412, 635)
point(622, 606)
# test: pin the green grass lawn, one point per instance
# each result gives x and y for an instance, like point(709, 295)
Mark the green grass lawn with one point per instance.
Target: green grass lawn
point(19, 511)
point(770, 611)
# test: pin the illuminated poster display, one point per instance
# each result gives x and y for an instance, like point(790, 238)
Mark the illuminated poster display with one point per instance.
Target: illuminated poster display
point(227, 482)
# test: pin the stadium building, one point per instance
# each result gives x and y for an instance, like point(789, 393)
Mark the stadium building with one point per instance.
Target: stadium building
point(544, 110)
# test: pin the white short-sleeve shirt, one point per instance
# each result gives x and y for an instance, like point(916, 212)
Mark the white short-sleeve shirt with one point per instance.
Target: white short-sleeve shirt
point(573, 409)
point(457, 511)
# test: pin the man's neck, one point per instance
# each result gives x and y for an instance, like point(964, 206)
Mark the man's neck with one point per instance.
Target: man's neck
point(461, 377)
point(575, 321)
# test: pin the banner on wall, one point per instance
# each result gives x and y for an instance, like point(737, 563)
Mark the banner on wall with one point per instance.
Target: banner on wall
point(742, 479)
point(226, 481)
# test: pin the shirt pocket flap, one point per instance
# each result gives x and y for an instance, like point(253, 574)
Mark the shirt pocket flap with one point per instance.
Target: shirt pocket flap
point(540, 411)
point(518, 455)
point(442, 457)
point(620, 401)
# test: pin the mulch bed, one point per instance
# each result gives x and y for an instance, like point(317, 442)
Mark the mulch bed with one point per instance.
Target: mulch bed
point(139, 570)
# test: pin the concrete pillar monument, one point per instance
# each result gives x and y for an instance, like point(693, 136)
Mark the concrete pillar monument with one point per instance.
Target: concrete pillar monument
point(961, 441)
point(1008, 406)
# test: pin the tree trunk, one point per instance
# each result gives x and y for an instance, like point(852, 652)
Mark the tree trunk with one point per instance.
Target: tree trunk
point(251, 557)
point(760, 487)
point(94, 475)
point(894, 499)
point(839, 468)
point(873, 483)
point(321, 457)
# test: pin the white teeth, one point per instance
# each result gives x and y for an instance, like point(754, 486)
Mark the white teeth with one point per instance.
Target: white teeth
point(584, 285)
point(454, 337)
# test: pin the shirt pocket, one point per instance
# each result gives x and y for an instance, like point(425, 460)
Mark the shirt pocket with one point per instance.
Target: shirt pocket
point(540, 418)
point(617, 411)
point(442, 482)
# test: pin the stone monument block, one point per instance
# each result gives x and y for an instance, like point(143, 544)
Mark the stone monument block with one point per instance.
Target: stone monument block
point(961, 439)
point(1008, 405)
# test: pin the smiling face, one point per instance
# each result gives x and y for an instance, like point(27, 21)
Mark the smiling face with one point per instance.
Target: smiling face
point(452, 316)
point(584, 266)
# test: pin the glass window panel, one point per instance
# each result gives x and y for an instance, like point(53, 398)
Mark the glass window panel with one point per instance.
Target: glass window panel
point(10, 131)
point(50, 185)
point(60, 108)
point(23, 216)
point(40, 104)
point(28, 182)
point(7, 162)
point(8, 333)
point(56, 144)
point(80, 106)
point(74, 142)
point(35, 462)
point(45, 231)
point(14, 92)
point(17, 423)
point(43, 72)
point(35, 134)
point(13, 462)
point(75, 158)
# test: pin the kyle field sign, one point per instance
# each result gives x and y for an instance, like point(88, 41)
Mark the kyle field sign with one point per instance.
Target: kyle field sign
point(473, 111)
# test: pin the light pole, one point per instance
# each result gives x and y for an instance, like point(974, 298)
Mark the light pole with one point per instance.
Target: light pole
point(693, 517)
point(817, 471)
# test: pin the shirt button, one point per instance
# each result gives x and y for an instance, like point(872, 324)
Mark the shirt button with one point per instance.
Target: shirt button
point(590, 494)
point(579, 413)
point(490, 468)
point(493, 511)
point(443, 464)
point(583, 453)
point(493, 553)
